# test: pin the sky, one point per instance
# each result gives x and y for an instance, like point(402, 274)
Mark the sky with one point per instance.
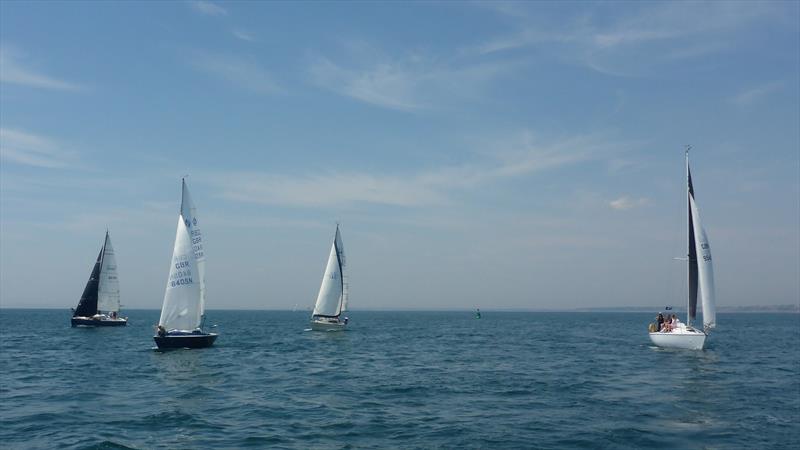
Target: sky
point(498, 155)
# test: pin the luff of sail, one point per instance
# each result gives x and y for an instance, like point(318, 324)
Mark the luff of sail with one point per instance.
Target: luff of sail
point(189, 213)
point(87, 306)
point(705, 269)
point(108, 283)
point(329, 299)
point(181, 309)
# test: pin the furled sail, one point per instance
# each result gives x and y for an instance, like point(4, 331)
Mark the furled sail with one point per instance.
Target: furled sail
point(87, 306)
point(108, 285)
point(189, 213)
point(705, 269)
point(330, 298)
point(182, 301)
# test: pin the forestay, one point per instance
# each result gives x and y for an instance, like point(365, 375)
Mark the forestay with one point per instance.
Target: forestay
point(108, 287)
point(182, 308)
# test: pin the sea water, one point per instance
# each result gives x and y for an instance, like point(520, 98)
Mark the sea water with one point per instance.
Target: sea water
point(399, 380)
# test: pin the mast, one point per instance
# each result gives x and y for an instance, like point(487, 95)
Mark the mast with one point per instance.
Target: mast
point(341, 269)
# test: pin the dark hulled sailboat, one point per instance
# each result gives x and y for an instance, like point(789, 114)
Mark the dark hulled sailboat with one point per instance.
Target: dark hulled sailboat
point(99, 304)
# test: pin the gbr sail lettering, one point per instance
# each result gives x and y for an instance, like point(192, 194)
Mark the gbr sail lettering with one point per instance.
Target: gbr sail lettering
point(181, 274)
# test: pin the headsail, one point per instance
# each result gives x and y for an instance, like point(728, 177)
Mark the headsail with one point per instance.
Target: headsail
point(189, 213)
point(87, 306)
point(330, 299)
point(182, 307)
point(705, 269)
point(108, 287)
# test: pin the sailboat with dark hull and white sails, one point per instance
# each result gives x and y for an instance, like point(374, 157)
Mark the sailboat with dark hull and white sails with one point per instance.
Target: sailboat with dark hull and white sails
point(701, 283)
point(332, 297)
point(184, 299)
point(99, 304)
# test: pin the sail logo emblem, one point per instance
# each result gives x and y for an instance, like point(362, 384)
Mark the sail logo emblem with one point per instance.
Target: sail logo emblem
point(186, 221)
point(194, 221)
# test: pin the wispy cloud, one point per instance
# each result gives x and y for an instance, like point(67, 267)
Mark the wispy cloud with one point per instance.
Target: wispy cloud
point(238, 71)
point(648, 33)
point(754, 94)
point(13, 70)
point(626, 202)
point(243, 35)
point(207, 8)
point(410, 82)
point(32, 150)
point(521, 156)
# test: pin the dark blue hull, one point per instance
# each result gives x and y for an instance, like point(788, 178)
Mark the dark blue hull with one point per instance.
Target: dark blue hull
point(185, 341)
point(76, 322)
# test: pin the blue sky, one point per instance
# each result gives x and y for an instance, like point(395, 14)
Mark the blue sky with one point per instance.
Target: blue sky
point(492, 154)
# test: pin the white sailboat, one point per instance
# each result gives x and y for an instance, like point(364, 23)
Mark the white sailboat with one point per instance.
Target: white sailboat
point(99, 304)
point(701, 282)
point(332, 297)
point(184, 298)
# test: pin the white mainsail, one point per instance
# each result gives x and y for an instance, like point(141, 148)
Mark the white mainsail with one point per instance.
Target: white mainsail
point(108, 285)
point(182, 300)
point(705, 269)
point(331, 299)
point(189, 213)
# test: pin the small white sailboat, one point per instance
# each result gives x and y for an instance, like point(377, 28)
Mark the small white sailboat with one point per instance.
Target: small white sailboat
point(701, 282)
point(184, 299)
point(332, 297)
point(99, 304)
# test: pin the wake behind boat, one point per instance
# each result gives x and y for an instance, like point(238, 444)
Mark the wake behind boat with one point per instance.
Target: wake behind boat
point(701, 281)
point(184, 299)
point(99, 304)
point(332, 297)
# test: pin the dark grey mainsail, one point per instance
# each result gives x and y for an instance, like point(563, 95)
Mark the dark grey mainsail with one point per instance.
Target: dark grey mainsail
point(692, 255)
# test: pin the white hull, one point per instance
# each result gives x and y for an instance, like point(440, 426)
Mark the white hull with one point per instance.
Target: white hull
point(683, 337)
point(320, 325)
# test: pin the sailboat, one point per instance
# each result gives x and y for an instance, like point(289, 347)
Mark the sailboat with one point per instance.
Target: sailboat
point(182, 313)
point(99, 304)
point(332, 297)
point(701, 283)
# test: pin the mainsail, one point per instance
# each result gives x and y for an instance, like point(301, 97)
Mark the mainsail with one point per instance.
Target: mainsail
point(331, 300)
point(108, 284)
point(87, 306)
point(182, 307)
point(189, 213)
point(705, 269)
point(692, 252)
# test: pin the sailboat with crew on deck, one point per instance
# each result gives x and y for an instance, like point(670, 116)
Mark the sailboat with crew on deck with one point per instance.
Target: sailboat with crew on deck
point(99, 304)
point(333, 292)
point(183, 311)
point(701, 283)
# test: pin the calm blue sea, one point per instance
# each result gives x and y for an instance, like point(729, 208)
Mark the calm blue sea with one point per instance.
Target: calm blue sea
point(399, 380)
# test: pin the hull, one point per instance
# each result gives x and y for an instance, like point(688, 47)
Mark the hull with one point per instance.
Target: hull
point(318, 325)
point(105, 322)
point(185, 340)
point(685, 338)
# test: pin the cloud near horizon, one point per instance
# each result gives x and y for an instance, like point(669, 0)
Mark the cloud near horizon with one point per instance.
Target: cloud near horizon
point(520, 156)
